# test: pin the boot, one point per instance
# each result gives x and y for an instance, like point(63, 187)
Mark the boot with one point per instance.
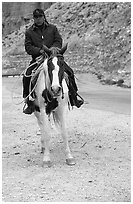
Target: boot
point(30, 107)
point(74, 101)
point(78, 103)
point(73, 88)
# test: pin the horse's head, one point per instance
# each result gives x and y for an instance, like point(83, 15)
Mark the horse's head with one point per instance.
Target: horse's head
point(55, 65)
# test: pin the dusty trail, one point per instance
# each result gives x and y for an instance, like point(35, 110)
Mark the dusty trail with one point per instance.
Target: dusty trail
point(100, 139)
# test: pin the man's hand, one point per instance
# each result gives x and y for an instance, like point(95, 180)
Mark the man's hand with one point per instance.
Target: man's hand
point(42, 51)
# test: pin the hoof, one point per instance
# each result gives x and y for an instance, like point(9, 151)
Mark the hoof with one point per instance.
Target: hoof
point(42, 150)
point(70, 161)
point(47, 163)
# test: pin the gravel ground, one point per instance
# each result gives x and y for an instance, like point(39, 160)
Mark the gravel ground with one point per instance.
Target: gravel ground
point(99, 140)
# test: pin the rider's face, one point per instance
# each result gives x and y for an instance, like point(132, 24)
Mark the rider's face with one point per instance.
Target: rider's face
point(38, 20)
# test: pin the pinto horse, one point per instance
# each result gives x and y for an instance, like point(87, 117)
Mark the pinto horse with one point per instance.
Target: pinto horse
point(51, 98)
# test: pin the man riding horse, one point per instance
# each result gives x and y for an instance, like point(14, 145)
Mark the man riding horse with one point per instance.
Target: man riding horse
point(37, 37)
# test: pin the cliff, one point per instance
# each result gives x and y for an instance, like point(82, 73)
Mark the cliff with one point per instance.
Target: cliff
point(16, 14)
point(99, 37)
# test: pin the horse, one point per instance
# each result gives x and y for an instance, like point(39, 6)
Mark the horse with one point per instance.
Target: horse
point(51, 99)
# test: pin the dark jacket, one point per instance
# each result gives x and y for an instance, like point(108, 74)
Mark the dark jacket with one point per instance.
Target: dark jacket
point(35, 38)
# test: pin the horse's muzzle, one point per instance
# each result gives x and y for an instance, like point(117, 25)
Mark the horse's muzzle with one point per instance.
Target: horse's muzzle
point(56, 90)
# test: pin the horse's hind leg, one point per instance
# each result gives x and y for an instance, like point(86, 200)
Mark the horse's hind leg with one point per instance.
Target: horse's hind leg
point(44, 127)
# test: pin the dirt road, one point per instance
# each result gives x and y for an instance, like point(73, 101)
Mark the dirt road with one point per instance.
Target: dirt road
point(100, 139)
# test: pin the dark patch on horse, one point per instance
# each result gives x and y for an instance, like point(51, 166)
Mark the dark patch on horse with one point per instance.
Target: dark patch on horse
point(51, 103)
point(37, 108)
point(47, 96)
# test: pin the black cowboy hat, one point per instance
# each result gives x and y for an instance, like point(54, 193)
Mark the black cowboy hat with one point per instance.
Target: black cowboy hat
point(38, 12)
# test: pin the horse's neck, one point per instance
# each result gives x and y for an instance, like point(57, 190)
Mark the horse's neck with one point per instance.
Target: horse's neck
point(47, 80)
point(64, 86)
point(40, 82)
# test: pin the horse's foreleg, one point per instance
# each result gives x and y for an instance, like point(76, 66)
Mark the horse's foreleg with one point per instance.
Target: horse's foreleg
point(45, 137)
point(69, 157)
point(40, 124)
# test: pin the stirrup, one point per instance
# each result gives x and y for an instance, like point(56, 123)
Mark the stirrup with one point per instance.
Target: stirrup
point(31, 98)
point(80, 97)
point(30, 108)
point(24, 106)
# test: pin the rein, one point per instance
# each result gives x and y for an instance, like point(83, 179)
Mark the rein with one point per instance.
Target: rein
point(38, 62)
point(33, 71)
point(15, 84)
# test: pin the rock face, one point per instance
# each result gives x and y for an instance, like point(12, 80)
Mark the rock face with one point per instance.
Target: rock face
point(15, 14)
point(99, 37)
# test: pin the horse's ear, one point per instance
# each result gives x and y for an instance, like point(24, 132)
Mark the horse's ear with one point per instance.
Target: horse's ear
point(63, 49)
point(47, 50)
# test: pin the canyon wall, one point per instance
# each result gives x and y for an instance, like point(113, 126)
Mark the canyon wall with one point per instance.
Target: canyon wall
point(98, 36)
point(16, 14)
